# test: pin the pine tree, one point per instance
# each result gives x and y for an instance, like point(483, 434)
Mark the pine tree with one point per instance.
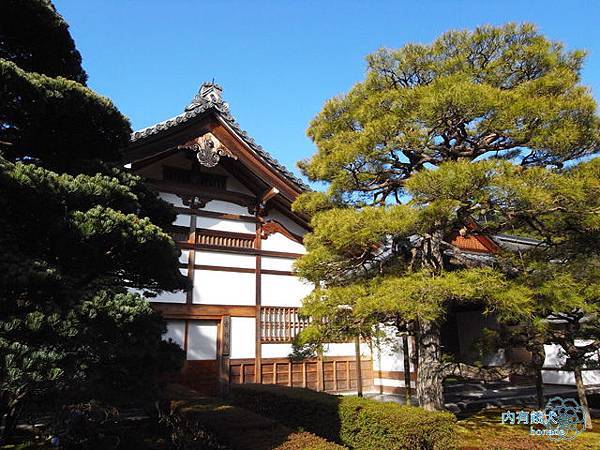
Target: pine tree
point(496, 92)
point(77, 231)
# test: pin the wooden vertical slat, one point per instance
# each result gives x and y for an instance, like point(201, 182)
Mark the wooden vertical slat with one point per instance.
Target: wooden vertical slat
point(304, 374)
point(335, 383)
point(274, 373)
point(289, 374)
point(348, 385)
point(242, 373)
point(319, 374)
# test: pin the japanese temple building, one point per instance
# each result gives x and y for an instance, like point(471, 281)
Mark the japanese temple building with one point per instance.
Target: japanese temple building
point(239, 239)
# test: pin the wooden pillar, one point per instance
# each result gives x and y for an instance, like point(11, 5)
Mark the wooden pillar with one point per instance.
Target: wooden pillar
point(406, 354)
point(320, 378)
point(191, 252)
point(359, 382)
point(258, 332)
point(224, 350)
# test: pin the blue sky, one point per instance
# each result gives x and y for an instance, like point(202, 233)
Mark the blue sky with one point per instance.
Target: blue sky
point(278, 61)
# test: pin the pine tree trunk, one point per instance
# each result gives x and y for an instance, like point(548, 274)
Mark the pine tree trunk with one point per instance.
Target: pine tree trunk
point(539, 388)
point(538, 356)
point(582, 397)
point(429, 372)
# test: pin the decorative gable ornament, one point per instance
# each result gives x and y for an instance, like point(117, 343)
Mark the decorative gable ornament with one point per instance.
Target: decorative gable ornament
point(208, 149)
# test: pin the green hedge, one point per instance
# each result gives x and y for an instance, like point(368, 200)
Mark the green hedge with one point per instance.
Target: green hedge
point(308, 441)
point(355, 422)
point(198, 422)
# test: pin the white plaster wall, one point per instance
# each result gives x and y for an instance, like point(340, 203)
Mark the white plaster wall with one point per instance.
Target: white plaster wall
point(184, 257)
point(345, 349)
point(276, 350)
point(182, 220)
point(555, 356)
point(213, 287)
point(225, 259)
point(388, 354)
point(202, 340)
point(280, 243)
point(173, 199)
point(590, 377)
point(224, 207)
point(171, 297)
point(270, 263)
point(234, 226)
point(243, 337)
point(175, 331)
point(283, 290)
point(288, 223)
point(392, 383)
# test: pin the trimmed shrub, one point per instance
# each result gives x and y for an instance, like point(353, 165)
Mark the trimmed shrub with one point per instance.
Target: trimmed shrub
point(207, 423)
point(308, 441)
point(295, 407)
point(372, 425)
point(355, 422)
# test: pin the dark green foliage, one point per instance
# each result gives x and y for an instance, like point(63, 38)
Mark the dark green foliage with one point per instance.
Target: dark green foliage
point(297, 408)
point(354, 422)
point(208, 423)
point(71, 246)
point(77, 233)
point(37, 39)
point(57, 120)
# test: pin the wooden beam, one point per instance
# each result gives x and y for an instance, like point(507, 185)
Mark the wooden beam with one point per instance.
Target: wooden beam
point(240, 250)
point(240, 269)
point(195, 311)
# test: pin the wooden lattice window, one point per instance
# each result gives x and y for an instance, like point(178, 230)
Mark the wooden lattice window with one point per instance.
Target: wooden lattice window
point(279, 324)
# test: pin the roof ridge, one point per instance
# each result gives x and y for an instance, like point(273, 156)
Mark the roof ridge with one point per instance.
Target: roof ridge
point(209, 98)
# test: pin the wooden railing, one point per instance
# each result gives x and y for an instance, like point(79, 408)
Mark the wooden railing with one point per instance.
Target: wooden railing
point(279, 324)
point(223, 239)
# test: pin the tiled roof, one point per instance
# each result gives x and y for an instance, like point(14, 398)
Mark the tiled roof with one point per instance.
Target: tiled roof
point(209, 99)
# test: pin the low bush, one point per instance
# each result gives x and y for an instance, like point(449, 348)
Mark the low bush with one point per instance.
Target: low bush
point(308, 441)
point(206, 423)
point(354, 422)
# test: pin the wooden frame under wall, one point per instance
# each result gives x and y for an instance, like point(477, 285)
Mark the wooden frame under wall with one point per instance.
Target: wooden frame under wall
point(331, 374)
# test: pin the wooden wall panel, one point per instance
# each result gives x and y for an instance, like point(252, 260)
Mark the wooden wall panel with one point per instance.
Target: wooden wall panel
point(338, 373)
